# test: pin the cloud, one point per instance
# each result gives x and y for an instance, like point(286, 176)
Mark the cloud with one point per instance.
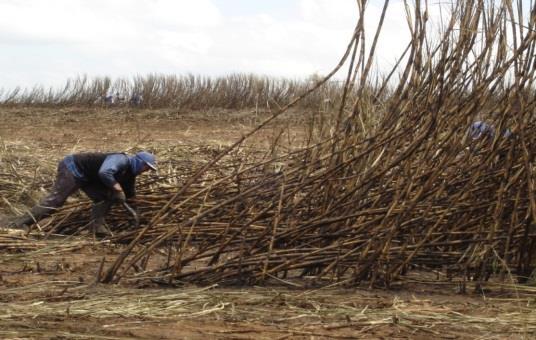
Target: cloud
point(306, 42)
point(79, 21)
point(335, 14)
point(49, 41)
point(112, 37)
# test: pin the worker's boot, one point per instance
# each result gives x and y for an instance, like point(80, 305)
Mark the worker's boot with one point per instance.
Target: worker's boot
point(37, 213)
point(7, 226)
point(98, 213)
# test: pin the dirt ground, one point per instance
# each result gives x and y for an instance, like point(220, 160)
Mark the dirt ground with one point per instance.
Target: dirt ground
point(48, 289)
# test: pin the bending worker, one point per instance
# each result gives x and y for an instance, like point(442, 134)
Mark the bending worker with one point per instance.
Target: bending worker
point(106, 178)
point(480, 129)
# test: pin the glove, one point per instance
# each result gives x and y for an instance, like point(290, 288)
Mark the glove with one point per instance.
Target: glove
point(118, 196)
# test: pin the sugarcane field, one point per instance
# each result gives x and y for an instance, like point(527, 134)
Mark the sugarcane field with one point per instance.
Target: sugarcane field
point(362, 202)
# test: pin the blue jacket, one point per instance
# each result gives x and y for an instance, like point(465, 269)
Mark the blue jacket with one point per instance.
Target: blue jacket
point(104, 170)
point(480, 129)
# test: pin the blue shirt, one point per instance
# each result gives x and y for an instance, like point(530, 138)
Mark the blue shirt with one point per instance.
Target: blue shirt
point(112, 165)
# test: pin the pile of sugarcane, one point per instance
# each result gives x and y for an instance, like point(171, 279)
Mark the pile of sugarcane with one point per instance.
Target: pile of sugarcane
point(396, 184)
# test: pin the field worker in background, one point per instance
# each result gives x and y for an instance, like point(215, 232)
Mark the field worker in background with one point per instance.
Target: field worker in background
point(482, 134)
point(106, 178)
point(480, 130)
point(108, 100)
point(118, 99)
point(483, 130)
point(136, 100)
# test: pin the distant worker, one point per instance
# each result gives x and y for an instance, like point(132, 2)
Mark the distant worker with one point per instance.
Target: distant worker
point(136, 99)
point(106, 178)
point(483, 130)
point(118, 99)
point(108, 100)
point(482, 134)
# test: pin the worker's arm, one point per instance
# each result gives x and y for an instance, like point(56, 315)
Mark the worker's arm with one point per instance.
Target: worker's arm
point(111, 166)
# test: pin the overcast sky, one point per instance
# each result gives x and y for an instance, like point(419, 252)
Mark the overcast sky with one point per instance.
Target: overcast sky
point(46, 42)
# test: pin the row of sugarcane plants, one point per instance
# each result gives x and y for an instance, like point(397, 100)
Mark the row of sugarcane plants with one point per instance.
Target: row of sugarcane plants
point(183, 92)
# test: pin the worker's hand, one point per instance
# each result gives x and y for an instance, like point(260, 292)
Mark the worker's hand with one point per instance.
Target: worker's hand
point(118, 196)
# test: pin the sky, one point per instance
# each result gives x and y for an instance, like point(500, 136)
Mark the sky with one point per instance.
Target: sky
point(47, 42)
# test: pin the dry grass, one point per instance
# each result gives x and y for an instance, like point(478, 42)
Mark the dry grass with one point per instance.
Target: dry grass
point(331, 313)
